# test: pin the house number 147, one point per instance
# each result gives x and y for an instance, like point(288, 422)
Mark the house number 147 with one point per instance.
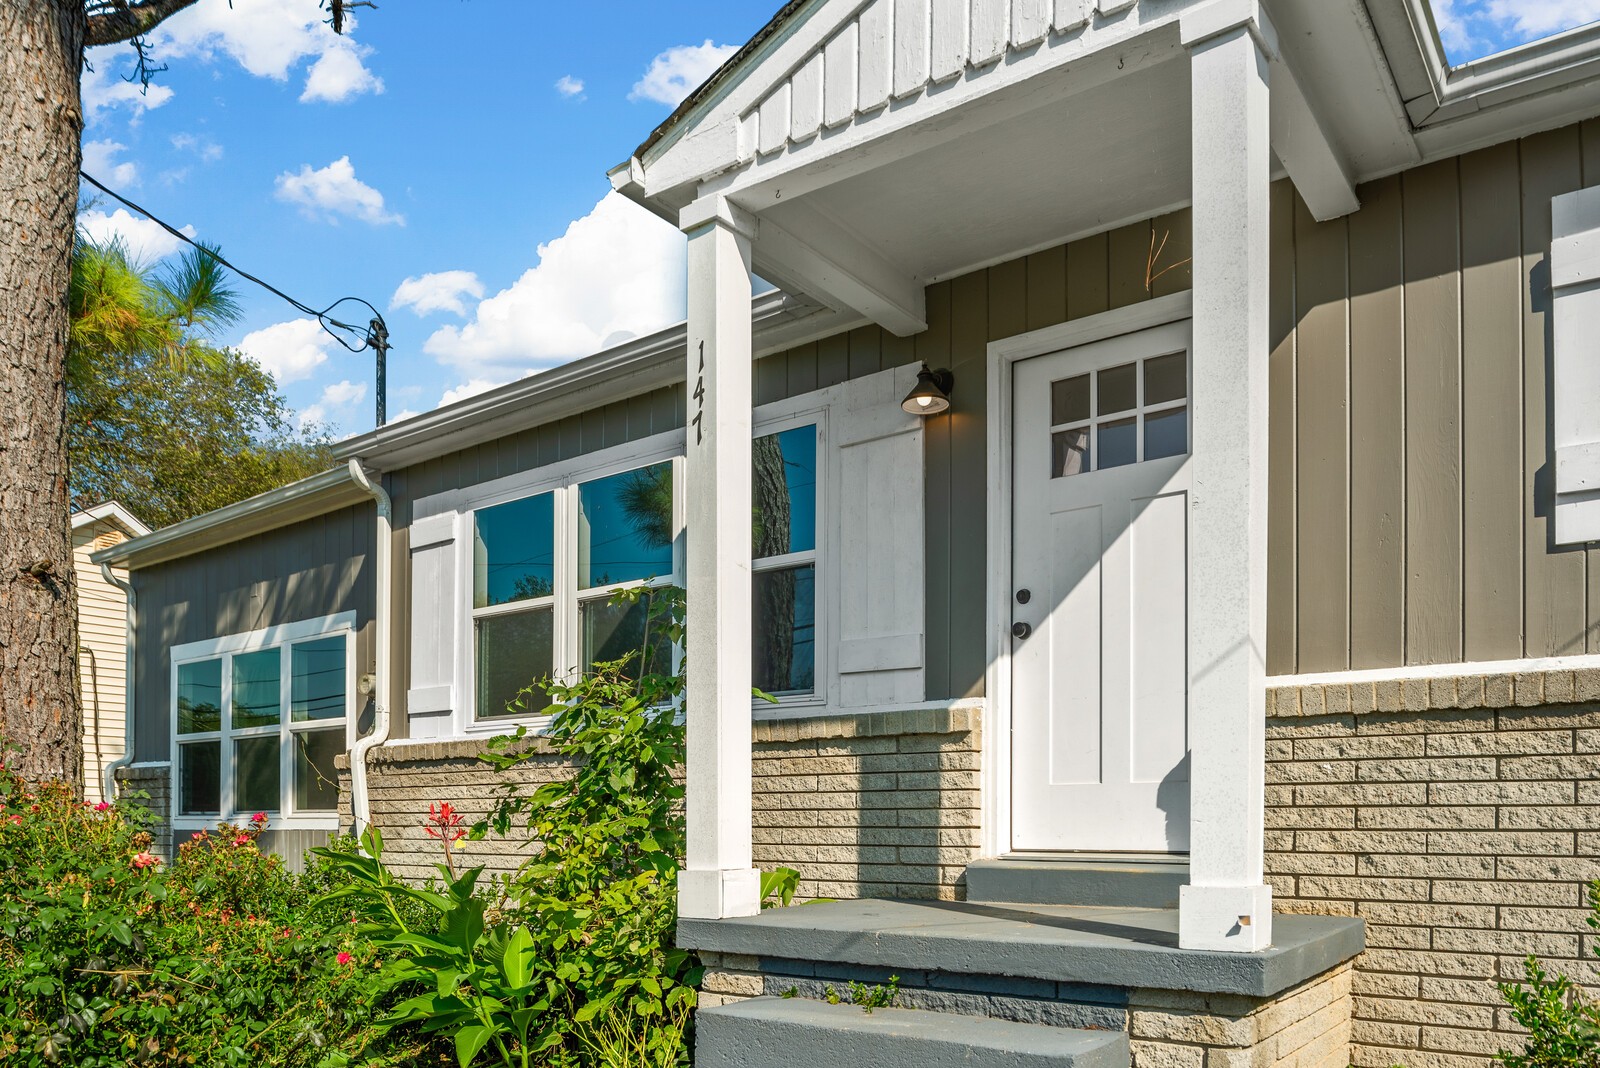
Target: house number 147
point(700, 396)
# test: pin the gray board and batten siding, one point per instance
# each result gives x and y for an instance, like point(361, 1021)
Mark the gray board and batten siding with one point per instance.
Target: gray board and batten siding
point(1409, 460)
point(317, 567)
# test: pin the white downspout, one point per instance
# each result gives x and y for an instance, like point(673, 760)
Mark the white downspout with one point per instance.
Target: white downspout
point(108, 777)
point(360, 807)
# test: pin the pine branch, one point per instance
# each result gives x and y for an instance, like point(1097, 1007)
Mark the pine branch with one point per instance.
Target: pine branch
point(113, 21)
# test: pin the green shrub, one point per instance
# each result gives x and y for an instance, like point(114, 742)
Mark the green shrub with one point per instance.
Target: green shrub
point(108, 957)
point(1563, 1023)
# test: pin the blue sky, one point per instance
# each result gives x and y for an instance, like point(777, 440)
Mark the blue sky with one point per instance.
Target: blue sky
point(446, 162)
point(1472, 29)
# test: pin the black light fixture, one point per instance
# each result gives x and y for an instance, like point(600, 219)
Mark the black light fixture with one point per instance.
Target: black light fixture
point(931, 394)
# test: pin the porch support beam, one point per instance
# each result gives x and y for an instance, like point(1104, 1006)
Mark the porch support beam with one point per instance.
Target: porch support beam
point(851, 276)
point(719, 879)
point(1227, 905)
point(1315, 167)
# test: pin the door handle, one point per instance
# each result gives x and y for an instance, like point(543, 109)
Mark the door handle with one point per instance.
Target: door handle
point(1021, 631)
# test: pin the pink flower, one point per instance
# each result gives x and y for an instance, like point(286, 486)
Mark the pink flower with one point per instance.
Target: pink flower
point(145, 860)
point(15, 819)
point(102, 806)
point(197, 835)
point(343, 957)
point(243, 839)
point(259, 817)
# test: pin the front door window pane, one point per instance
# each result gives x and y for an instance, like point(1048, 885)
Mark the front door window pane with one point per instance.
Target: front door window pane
point(625, 527)
point(256, 688)
point(785, 492)
point(316, 780)
point(514, 651)
point(255, 774)
point(1166, 378)
point(200, 778)
point(1069, 400)
point(1119, 443)
point(612, 632)
point(1166, 434)
point(200, 697)
point(784, 630)
point(317, 679)
point(1119, 390)
point(1069, 452)
point(513, 551)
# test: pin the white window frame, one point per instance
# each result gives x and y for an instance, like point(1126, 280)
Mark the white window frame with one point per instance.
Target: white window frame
point(283, 638)
point(562, 480)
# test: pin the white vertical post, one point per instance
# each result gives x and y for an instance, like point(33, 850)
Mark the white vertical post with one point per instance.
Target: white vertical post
point(1227, 905)
point(719, 879)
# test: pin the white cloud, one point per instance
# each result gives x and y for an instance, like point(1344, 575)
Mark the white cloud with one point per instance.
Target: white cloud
point(103, 89)
point(616, 273)
point(1474, 28)
point(270, 38)
point(145, 241)
point(677, 72)
point(333, 191)
point(208, 150)
point(336, 397)
point(468, 389)
point(439, 291)
point(100, 160)
point(290, 350)
point(569, 86)
point(403, 414)
point(339, 74)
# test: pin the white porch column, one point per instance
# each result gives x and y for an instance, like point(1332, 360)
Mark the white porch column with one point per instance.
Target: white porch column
point(719, 879)
point(1227, 905)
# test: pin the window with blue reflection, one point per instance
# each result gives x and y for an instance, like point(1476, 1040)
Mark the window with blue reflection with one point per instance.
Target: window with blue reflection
point(625, 527)
point(513, 551)
point(784, 492)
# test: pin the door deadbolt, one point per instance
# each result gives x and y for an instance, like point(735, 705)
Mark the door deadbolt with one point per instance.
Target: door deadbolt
point(1024, 596)
point(1021, 630)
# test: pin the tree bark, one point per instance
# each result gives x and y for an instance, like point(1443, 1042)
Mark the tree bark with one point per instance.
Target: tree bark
point(41, 123)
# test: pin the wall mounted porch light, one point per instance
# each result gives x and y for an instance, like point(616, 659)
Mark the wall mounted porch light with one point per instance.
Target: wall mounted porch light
point(931, 394)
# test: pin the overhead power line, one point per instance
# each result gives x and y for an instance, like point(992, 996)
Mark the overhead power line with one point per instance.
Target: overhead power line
point(374, 336)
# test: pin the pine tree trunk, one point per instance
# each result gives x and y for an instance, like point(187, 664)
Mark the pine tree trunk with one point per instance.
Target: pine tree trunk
point(41, 122)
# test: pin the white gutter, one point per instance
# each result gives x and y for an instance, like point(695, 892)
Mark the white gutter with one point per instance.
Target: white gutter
point(360, 806)
point(108, 779)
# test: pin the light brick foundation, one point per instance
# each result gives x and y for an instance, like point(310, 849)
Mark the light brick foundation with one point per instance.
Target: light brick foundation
point(1464, 837)
point(877, 805)
point(155, 782)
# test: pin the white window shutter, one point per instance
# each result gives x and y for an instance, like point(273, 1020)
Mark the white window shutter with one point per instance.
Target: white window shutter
point(1575, 420)
point(878, 560)
point(431, 700)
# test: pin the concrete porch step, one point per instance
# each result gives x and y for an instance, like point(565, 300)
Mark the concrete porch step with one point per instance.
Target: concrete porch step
point(1108, 880)
point(814, 1034)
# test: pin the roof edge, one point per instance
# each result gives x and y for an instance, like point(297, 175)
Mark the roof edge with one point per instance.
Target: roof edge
point(111, 512)
point(312, 496)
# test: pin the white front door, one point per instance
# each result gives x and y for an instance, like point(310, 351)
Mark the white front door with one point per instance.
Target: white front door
point(1100, 516)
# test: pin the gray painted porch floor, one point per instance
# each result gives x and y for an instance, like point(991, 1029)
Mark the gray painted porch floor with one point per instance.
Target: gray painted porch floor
point(1107, 946)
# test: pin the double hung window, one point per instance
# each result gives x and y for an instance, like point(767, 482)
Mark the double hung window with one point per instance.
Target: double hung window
point(258, 724)
point(545, 568)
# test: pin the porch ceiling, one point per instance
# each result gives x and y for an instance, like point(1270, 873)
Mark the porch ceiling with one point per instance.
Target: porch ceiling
point(1113, 153)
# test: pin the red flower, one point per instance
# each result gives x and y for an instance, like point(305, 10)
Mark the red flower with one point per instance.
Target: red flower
point(102, 806)
point(197, 835)
point(343, 957)
point(259, 817)
point(145, 860)
point(444, 821)
point(15, 819)
point(243, 839)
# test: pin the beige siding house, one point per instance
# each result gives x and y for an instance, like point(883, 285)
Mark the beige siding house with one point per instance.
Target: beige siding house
point(1206, 669)
point(102, 639)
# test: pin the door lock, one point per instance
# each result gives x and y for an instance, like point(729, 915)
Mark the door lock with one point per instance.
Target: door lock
point(1021, 631)
point(1024, 596)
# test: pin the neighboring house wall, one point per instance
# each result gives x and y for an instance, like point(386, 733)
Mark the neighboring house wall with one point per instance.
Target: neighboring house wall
point(1410, 482)
point(102, 653)
point(313, 569)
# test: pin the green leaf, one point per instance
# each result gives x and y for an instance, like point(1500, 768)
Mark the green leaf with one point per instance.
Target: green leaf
point(516, 961)
point(469, 1040)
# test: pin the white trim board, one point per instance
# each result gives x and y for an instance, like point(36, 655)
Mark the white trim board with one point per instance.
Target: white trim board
point(995, 819)
point(277, 635)
point(1579, 662)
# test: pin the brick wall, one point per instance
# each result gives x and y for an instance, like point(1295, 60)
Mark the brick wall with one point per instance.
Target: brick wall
point(875, 805)
point(1464, 836)
point(150, 785)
